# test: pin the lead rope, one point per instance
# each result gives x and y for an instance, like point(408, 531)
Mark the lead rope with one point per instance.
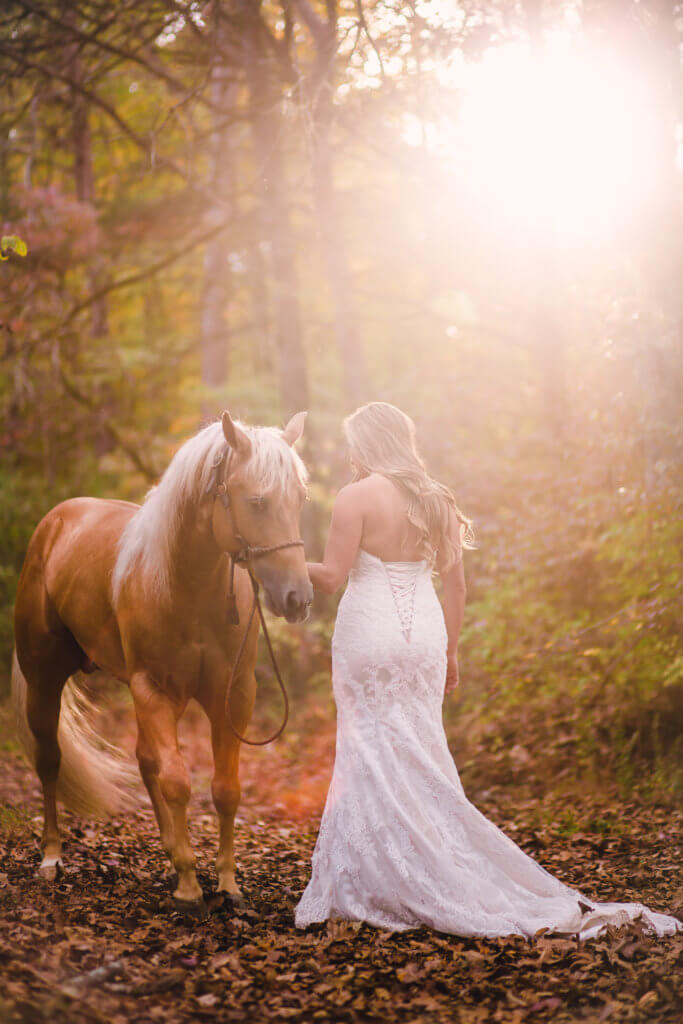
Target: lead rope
point(219, 488)
point(256, 604)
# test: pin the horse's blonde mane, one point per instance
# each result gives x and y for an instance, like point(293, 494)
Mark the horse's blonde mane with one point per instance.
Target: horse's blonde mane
point(149, 540)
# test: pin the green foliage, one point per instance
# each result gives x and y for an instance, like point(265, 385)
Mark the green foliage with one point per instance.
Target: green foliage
point(582, 683)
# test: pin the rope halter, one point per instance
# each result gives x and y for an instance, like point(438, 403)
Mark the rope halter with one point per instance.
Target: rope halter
point(218, 489)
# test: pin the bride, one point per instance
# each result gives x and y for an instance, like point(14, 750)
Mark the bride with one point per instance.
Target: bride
point(400, 845)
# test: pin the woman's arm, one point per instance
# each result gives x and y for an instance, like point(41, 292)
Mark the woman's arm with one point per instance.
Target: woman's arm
point(454, 594)
point(343, 541)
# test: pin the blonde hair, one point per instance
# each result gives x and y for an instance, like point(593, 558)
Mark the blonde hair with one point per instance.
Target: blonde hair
point(381, 440)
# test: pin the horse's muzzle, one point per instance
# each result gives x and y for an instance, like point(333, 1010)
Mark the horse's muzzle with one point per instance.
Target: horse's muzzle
point(290, 601)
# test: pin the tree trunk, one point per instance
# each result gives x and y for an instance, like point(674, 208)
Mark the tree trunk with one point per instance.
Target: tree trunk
point(267, 133)
point(333, 244)
point(259, 304)
point(214, 325)
point(84, 180)
point(658, 368)
point(337, 267)
point(545, 314)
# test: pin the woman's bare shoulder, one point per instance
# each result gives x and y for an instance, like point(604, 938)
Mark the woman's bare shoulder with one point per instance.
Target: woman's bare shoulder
point(350, 494)
point(375, 483)
point(366, 485)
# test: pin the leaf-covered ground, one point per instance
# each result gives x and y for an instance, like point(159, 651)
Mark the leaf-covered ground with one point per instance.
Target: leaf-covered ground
point(106, 944)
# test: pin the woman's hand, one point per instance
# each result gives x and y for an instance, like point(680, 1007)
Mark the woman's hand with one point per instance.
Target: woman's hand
point(452, 672)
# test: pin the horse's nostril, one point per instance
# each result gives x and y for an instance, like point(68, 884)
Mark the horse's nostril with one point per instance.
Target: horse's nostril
point(296, 605)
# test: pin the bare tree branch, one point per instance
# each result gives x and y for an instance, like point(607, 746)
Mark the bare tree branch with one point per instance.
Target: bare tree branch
point(52, 72)
point(129, 55)
point(316, 25)
point(149, 271)
point(362, 21)
point(133, 454)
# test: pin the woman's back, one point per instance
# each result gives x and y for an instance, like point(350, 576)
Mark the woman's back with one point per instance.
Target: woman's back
point(387, 532)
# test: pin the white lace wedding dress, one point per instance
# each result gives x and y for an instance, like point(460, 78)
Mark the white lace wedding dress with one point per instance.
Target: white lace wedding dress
point(400, 845)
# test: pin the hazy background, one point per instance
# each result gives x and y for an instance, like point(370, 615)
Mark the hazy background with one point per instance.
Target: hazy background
point(469, 209)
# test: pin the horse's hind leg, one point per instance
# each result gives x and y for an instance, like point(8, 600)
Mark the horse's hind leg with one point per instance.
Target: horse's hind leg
point(45, 679)
point(43, 718)
point(47, 655)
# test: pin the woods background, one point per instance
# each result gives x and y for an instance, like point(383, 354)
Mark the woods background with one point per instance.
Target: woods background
point(269, 207)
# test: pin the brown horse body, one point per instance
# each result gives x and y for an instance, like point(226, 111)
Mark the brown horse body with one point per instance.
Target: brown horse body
point(94, 592)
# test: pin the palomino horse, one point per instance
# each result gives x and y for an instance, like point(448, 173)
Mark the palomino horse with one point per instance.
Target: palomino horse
point(140, 592)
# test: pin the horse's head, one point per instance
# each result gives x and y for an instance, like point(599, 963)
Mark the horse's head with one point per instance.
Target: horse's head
point(262, 491)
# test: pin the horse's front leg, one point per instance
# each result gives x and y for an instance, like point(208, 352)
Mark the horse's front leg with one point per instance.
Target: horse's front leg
point(225, 788)
point(157, 717)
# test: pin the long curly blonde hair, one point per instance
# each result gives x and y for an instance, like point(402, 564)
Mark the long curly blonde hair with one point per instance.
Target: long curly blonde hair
point(381, 440)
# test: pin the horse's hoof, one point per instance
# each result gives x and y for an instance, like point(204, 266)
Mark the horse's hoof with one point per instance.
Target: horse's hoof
point(233, 902)
point(238, 901)
point(50, 869)
point(195, 909)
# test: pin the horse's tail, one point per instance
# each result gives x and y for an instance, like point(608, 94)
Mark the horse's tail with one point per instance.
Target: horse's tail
point(94, 776)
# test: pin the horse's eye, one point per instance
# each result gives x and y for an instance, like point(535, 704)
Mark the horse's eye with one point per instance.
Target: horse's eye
point(258, 501)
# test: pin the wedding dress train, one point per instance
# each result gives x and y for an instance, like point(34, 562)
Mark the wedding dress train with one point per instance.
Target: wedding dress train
point(400, 845)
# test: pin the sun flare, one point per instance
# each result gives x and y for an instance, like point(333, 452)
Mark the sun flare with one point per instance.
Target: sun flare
point(554, 141)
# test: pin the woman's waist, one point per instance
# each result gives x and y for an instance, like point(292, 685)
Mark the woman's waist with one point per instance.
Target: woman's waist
point(377, 587)
point(365, 599)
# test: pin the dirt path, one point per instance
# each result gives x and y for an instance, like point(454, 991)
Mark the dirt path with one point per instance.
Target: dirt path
point(105, 944)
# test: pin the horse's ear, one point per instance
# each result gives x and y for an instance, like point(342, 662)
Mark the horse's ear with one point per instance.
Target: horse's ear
point(236, 437)
point(295, 427)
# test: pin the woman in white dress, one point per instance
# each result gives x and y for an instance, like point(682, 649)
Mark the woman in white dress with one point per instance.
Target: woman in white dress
point(400, 845)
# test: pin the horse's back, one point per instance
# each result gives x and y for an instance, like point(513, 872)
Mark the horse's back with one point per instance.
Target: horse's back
point(76, 508)
point(78, 528)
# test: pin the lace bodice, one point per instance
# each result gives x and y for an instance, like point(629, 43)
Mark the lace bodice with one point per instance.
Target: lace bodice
point(399, 844)
point(389, 637)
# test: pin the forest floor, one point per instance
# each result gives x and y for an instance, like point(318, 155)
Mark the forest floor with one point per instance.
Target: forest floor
point(105, 943)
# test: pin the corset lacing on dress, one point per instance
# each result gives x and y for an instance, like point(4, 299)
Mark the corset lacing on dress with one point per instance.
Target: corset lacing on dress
point(402, 578)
